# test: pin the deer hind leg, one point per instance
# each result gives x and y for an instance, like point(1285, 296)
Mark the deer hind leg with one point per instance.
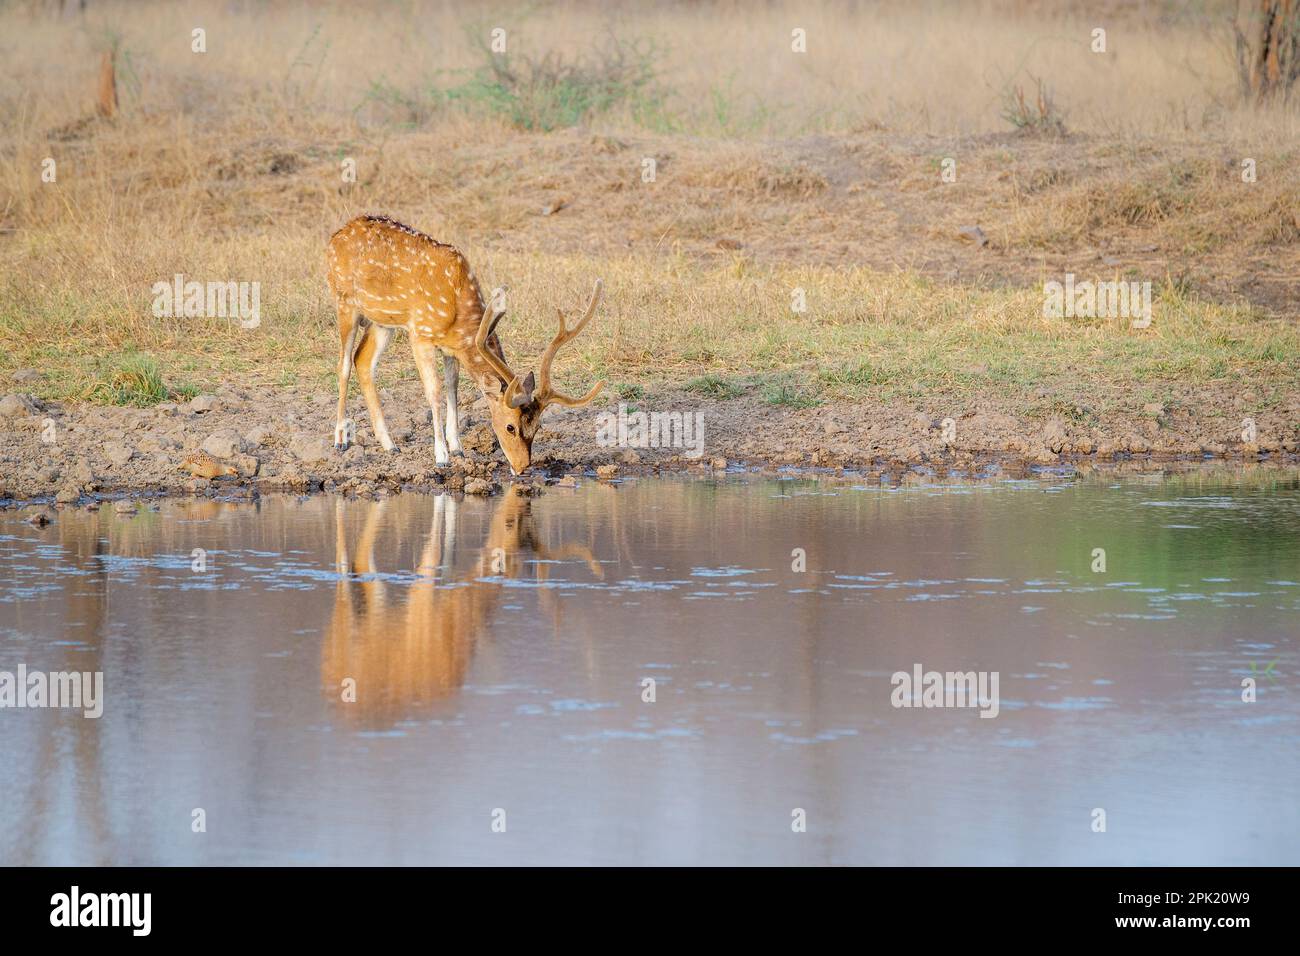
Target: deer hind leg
point(373, 342)
point(426, 356)
point(349, 326)
point(451, 378)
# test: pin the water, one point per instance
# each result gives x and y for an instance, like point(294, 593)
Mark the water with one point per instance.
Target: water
point(512, 680)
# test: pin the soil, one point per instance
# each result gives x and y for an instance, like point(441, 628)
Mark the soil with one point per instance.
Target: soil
point(281, 441)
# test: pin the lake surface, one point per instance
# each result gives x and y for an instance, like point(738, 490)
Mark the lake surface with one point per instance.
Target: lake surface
point(499, 650)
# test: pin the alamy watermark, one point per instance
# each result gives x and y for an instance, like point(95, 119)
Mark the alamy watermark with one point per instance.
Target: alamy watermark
point(946, 689)
point(1098, 300)
point(210, 300)
point(637, 429)
point(77, 690)
point(129, 910)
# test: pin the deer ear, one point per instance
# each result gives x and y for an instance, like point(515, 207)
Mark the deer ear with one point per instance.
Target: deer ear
point(530, 383)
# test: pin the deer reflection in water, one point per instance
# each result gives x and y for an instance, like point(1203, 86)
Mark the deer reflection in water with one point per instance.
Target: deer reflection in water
point(408, 644)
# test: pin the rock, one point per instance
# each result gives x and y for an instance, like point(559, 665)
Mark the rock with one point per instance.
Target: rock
point(11, 406)
point(81, 475)
point(25, 375)
point(157, 442)
point(718, 464)
point(203, 403)
point(124, 507)
point(568, 481)
point(631, 457)
point(1055, 435)
point(68, 494)
point(223, 443)
point(246, 464)
point(40, 516)
point(118, 453)
point(309, 448)
point(258, 435)
point(479, 486)
point(606, 471)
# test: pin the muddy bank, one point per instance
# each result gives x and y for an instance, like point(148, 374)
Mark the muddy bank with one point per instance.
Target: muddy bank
point(66, 453)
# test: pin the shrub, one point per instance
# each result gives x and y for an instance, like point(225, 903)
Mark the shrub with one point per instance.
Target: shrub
point(553, 91)
point(1041, 118)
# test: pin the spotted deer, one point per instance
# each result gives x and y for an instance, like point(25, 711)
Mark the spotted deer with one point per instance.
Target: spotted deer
point(386, 276)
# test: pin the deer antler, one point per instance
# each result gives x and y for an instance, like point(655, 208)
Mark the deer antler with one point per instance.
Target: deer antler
point(546, 395)
point(486, 327)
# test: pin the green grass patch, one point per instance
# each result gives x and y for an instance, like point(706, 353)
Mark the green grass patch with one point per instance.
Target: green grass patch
point(715, 386)
point(134, 379)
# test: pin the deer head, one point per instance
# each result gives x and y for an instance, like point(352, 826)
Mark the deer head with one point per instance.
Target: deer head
point(517, 408)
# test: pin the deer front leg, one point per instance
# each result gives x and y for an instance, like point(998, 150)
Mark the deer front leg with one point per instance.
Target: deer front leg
point(425, 361)
point(451, 375)
point(440, 551)
point(340, 539)
point(373, 342)
point(347, 347)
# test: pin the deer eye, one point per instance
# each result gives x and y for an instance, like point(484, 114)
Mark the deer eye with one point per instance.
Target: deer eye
point(510, 429)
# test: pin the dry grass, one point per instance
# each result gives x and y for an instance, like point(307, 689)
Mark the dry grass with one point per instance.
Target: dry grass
point(726, 67)
point(1193, 205)
point(774, 171)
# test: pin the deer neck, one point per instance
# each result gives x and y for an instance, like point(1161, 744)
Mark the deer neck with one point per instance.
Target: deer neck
point(475, 365)
point(478, 369)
